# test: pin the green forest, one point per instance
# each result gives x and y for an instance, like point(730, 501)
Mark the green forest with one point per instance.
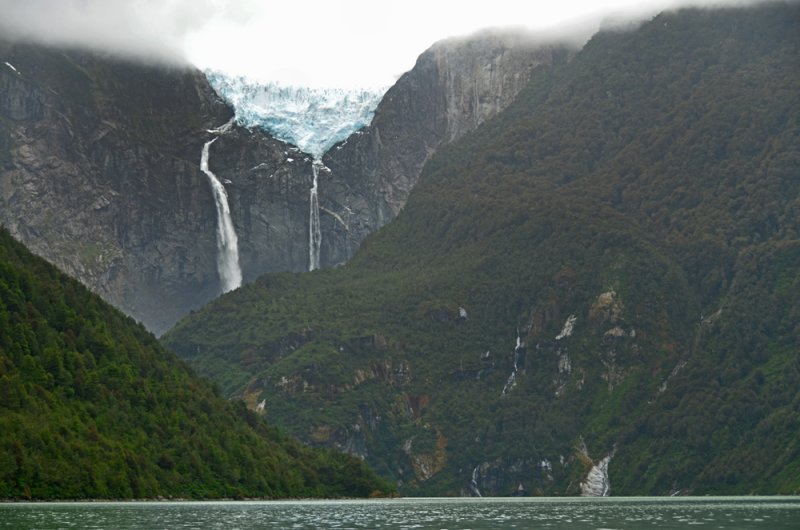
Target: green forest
point(92, 407)
point(648, 191)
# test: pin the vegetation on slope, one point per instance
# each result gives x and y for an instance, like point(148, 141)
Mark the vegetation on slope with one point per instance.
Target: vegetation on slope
point(91, 406)
point(647, 193)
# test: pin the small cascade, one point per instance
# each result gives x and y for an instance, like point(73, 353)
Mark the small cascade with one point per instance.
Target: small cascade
point(230, 274)
point(597, 483)
point(314, 232)
point(512, 379)
point(473, 484)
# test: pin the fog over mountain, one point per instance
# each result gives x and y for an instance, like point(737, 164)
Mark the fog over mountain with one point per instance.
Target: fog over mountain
point(282, 42)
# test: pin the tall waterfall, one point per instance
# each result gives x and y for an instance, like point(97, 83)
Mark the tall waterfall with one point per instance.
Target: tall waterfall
point(314, 232)
point(230, 274)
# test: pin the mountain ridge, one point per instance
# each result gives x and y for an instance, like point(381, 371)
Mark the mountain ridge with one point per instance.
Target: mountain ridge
point(529, 316)
point(91, 407)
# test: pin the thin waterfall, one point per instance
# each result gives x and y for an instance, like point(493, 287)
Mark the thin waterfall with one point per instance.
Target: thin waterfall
point(230, 274)
point(473, 484)
point(512, 379)
point(314, 231)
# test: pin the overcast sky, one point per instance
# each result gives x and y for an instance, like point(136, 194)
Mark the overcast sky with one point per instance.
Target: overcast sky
point(349, 43)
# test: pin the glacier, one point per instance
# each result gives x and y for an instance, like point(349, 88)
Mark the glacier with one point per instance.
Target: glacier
point(313, 119)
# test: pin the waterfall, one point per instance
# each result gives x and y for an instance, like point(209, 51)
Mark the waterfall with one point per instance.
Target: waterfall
point(230, 274)
point(473, 484)
point(512, 379)
point(597, 483)
point(314, 232)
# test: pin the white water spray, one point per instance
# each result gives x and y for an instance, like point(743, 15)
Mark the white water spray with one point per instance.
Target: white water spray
point(512, 379)
point(473, 484)
point(230, 274)
point(314, 231)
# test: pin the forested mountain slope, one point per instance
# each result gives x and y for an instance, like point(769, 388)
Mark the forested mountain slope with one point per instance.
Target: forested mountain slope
point(91, 406)
point(595, 291)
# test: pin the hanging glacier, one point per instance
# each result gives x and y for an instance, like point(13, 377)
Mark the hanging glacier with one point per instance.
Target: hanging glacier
point(313, 119)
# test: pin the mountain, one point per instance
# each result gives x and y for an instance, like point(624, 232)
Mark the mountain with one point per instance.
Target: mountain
point(91, 406)
point(596, 291)
point(455, 85)
point(100, 169)
point(100, 174)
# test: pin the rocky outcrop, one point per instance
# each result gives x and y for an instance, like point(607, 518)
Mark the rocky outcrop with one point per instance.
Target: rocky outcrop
point(455, 86)
point(597, 483)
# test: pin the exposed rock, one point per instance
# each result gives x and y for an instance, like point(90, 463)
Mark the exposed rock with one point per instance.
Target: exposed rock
point(614, 333)
point(597, 483)
point(426, 465)
point(455, 85)
point(396, 374)
point(607, 308)
point(569, 327)
point(102, 176)
point(101, 167)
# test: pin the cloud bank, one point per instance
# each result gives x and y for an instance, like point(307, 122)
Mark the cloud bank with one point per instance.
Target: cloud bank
point(346, 43)
point(146, 29)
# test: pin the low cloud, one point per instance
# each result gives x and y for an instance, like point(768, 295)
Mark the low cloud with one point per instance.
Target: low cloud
point(146, 29)
point(353, 43)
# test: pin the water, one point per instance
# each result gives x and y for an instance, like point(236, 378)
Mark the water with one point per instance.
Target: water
point(314, 231)
point(774, 513)
point(230, 274)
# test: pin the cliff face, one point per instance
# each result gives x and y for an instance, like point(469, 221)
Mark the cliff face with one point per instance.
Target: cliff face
point(101, 168)
point(100, 175)
point(268, 183)
point(455, 86)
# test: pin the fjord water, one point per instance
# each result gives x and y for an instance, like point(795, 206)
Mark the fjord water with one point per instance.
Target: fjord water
point(773, 513)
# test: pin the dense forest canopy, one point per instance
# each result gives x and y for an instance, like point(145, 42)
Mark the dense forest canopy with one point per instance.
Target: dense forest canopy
point(91, 406)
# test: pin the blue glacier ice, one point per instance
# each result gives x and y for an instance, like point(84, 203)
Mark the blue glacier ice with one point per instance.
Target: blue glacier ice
point(313, 119)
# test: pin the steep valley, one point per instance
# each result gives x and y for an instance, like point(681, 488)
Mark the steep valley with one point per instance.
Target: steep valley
point(595, 291)
point(101, 168)
point(543, 271)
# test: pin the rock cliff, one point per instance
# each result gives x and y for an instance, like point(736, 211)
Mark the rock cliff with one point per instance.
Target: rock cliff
point(101, 167)
point(100, 175)
point(456, 85)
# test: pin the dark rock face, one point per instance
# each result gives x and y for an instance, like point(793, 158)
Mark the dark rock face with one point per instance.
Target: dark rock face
point(100, 174)
point(455, 86)
point(101, 171)
point(268, 183)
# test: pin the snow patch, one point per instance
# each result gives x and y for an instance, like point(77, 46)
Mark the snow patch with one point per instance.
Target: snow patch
point(11, 66)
